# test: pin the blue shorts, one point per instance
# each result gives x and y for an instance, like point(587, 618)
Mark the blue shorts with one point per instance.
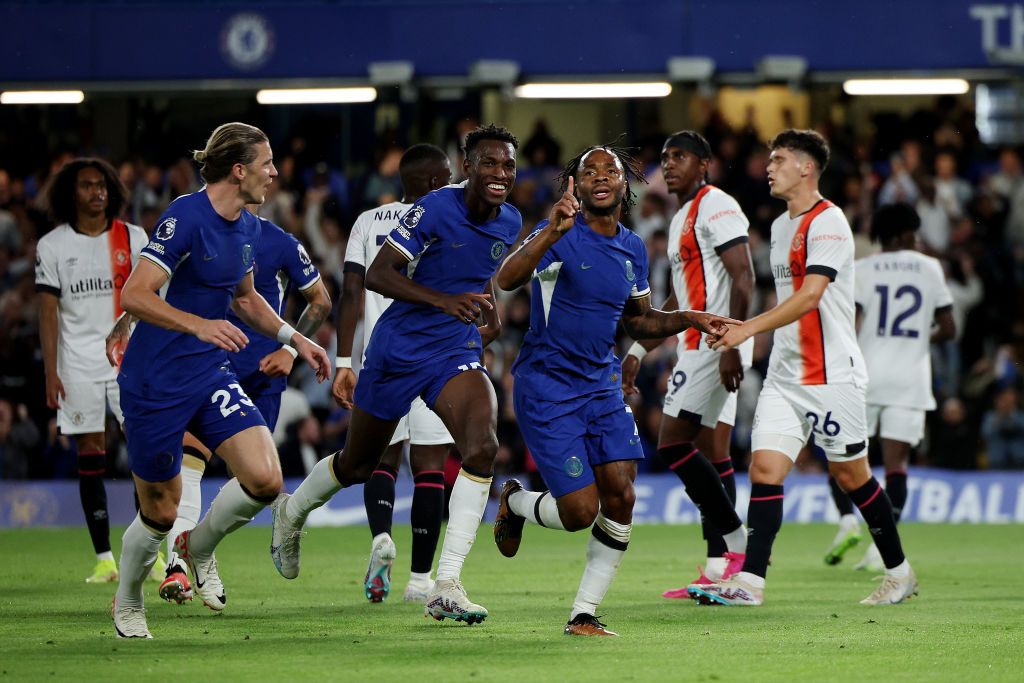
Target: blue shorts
point(568, 438)
point(154, 427)
point(387, 393)
point(264, 391)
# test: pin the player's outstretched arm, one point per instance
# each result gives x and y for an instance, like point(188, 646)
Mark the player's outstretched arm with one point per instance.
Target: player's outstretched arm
point(803, 301)
point(519, 266)
point(344, 385)
point(385, 277)
point(139, 297)
point(318, 307)
point(639, 349)
point(643, 322)
point(254, 310)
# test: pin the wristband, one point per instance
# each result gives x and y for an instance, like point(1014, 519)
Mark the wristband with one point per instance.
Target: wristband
point(284, 335)
point(637, 351)
point(293, 352)
point(343, 362)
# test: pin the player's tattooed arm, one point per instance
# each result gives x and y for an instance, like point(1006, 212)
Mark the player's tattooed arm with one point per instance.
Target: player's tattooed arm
point(318, 307)
point(279, 363)
point(117, 340)
point(631, 362)
point(385, 277)
point(518, 268)
point(643, 322)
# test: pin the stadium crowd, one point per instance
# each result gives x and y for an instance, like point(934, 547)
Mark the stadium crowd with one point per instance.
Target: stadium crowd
point(970, 198)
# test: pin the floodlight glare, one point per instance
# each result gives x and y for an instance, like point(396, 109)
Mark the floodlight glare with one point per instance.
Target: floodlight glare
point(316, 95)
point(559, 91)
point(42, 97)
point(906, 86)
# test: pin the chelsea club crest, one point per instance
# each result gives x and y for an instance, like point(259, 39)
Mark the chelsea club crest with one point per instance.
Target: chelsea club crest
point(630, 275)
point(497, 249)
point(246, 255)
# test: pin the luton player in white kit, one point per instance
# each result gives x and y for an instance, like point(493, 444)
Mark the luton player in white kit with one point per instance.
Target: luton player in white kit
point(81, 266)
point(423, 168)
point(901, 296)
point(816, 376)
point(711, 271)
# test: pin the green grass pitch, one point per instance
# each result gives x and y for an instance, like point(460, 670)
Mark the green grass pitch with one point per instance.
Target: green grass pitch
point(967, 624)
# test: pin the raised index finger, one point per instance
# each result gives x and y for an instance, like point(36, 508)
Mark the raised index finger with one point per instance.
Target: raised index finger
point(572, 184)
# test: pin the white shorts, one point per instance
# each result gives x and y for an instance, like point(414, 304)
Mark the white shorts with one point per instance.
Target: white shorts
point(422, 427)
point(695, 391)
point(896, 422)
point(788, 414)
point(84, 410)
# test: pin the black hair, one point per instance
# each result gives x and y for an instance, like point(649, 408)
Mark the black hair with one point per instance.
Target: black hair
point(60, 192)
point(691, 141)
point(489, 132)
point(809, 142)
point(419, 153)
point(632, 166)
point(892, 220)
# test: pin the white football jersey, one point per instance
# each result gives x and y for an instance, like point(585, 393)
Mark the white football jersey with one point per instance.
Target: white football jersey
point(369, 232)
point(704, 227)
point(86, 274)
point(820, 347)
point(899, 293)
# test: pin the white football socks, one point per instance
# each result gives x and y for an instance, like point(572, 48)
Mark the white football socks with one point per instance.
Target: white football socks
point(139, 547)
point(524, 504)
point(316, 489)
point(231, 509)
point(465, 510)
point(736, 540)
point(189, 507)
point(602, 564)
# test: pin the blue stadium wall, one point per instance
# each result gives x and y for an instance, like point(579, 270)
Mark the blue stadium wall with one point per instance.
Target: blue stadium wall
point(120, 41)
point(934, 496)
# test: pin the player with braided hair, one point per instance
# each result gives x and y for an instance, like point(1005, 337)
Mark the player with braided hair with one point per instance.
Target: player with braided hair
point(588, 272)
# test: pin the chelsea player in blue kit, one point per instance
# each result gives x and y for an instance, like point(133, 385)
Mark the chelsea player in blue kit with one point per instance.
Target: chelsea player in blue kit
point(175, 375)
point(427, 344)
point(588, 272)
point(282, 264)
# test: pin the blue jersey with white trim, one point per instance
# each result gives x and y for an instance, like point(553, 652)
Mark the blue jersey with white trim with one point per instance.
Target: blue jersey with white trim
point(456, 255)
point(205, 257)
point(579, 290)
point(282, 264)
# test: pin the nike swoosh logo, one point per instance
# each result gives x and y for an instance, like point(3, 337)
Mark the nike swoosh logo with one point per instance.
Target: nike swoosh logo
point(199, 584)
point(584, 266)
point(633, 442)
point(208, 257)
point(456, 245)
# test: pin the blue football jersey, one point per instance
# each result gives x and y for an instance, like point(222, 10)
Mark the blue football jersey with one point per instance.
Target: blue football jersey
point(205, 257)
point(281, 265)
point(580, 287)
point(455, 256)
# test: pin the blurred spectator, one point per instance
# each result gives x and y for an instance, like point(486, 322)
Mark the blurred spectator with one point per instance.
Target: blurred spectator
point(952, 193)
point(19, 439)
point(901, 186)
point(384, 185)
point(1003, 430)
